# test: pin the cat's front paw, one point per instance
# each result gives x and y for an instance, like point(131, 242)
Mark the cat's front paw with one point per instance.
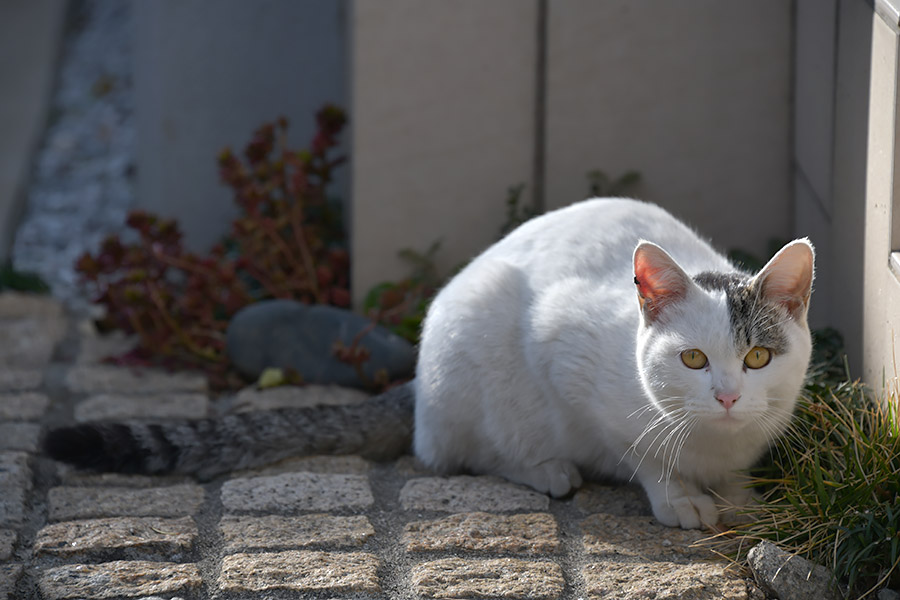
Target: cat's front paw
point(687, 512)
point(555, 477)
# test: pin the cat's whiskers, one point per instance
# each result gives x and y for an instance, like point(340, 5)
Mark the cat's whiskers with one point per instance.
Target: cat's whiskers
point(679, 445)
point(664, 419)
point(661, 418)
point(780, 425)
point(676, 437)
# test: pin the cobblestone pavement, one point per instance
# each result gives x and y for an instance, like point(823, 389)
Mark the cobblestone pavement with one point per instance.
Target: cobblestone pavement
point(314, 527)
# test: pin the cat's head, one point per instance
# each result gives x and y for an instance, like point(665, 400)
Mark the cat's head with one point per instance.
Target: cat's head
point(725, 348)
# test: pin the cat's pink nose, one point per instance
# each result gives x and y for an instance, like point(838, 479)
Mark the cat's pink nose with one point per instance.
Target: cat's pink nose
point(727, 400)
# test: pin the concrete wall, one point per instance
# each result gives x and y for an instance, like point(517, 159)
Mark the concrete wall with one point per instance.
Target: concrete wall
point(207, 75)
point(447, 113)
point(680, 92)
point(30, 36)
point(443, 122)
point(815, 58)
point(841, 266)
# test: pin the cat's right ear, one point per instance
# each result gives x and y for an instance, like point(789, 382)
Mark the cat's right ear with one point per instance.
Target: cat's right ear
point(659, 280)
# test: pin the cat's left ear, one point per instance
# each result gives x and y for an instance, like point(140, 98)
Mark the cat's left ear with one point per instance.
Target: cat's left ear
point(787, 278)
point(659, 280)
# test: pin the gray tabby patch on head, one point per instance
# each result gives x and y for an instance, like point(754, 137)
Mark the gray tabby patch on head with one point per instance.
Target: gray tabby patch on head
point(754, 322)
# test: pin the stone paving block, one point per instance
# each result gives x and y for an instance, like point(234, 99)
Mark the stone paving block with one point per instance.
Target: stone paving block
point(496, 578)
point(94, 348)
point(7, 541)
point(296, 492)
point(20, 380)
point(115, 407)
point(123, 537)
point(29, 342)
point(622, 500)
point(289, 396)
point(67, 502)
point(348, 465)
point(9, 577)
point(20, 436)
point(104, 379)
point(275, 532)
point(662, 581)
point(27, 406)
point(470, 494)
point(533, 533)
point(301, 571)
point(117, 579)
point(15, 481)
point(644, 537)
point(20, 305)
point(71, 476)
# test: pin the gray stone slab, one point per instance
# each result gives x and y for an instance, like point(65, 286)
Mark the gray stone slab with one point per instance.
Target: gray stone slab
point(20, 436)
point(26, 406)
point(30, 342)
point(663, 581)
point(118, 579)
point(21, 305)
point(66, 503)
point(296, 492)
point(119, 537)
point(145, 406)
point(289, 396)
point(94, 348)
point(9, 577)
point(7, 541)
point(641, 537)
point(15, 481)
point(350, 465)
point(103, 379)
point(470, 494)
point(784, 575)
point(495, 578)
point(532, 533)
point(71, 476)
point(277, 532)
point(301, 571)
point(19, 379)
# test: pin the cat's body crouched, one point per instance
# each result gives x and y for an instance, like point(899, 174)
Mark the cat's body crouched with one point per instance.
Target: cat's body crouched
point(572, 348)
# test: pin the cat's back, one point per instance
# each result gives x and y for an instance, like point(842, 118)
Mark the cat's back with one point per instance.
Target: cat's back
point(595, 239)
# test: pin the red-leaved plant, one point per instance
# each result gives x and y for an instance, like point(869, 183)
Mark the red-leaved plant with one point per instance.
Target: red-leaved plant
point(287, 243)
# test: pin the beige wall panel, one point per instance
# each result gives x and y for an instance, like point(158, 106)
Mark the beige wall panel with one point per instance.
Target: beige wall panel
point(442, 123)
point(881, 315)
point(695, 96)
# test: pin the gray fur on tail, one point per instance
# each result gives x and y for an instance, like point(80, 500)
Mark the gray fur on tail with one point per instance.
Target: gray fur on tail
point(379, 428)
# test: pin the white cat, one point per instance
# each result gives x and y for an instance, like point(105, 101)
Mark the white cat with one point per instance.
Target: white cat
point(573, 347)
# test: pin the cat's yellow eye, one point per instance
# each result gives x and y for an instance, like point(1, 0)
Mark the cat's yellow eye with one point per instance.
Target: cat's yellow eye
point(758, 357)
point(693, 359)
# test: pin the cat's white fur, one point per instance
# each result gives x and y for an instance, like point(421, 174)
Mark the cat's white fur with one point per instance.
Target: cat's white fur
point(538, 363)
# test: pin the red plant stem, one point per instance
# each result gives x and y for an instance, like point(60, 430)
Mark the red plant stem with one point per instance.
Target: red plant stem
point(185, 339)
point(184, 265)
point(259, 274)
point(305, 252)
point(269, 229)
